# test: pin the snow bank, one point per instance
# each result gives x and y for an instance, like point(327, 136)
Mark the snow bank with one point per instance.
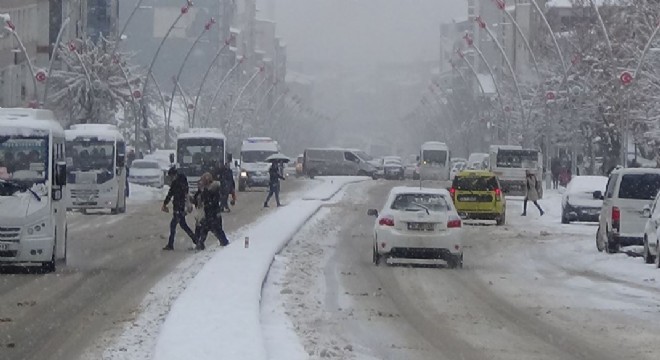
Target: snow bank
point(219, 312)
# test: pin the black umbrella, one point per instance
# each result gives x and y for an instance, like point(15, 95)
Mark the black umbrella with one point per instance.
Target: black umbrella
point(278, 158)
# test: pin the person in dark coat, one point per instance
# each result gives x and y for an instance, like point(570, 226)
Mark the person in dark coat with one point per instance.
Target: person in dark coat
point(209, 195)
point(225, 176)
point(555, 169)
point(274, 184)
point(178, 194)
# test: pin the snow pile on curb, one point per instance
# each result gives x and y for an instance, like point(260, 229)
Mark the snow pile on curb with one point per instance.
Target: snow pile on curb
point(218, 315)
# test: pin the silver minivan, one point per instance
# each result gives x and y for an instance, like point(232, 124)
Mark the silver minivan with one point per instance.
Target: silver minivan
point(335, 162)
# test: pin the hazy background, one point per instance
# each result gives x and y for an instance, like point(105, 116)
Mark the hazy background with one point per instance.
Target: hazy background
point(369, 60)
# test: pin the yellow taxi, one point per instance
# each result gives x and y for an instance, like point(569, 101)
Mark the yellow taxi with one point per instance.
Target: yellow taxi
point(477, 195)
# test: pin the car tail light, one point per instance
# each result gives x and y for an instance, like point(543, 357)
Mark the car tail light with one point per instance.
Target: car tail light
point(452, 192)
point(498, 194)
point(454, 223)
point(616, 219)
point(386, 221)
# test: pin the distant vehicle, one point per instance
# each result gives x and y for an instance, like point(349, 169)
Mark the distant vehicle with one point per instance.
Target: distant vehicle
point(299, 165)
point(578, 201)
point(651, 233)
point(165, 158)
point(336, 161)
point(147, 172)
point(254, 167)
point(33, 226)
point(457, 160)
point(418, 223)
point(434, 161)
point(96, 163)
point(477, 195)
point(198, 151)
point(393, 169)
point(410, 164)
point(478, 161)
point(628, 193)
point(456, 168)
point(510, 163)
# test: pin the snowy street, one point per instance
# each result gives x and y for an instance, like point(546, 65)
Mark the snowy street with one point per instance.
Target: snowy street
point(533, 289)
point(113, 262)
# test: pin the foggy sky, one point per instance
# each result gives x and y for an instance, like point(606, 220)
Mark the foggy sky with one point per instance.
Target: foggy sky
point(359, 31)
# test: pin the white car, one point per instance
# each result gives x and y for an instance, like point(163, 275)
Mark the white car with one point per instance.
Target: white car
point(582, 199)
point(651, 236)
point(456, 168)
point(146, 172)
point(418, 223)
point(629, 192)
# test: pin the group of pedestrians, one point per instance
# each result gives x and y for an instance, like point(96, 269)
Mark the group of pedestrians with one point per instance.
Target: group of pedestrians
point(209, 202)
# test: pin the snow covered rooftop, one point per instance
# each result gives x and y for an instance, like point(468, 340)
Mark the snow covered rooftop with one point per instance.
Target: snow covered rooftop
point(434, 145)
point(29, 119)
point(105, 132)
point(196, 133)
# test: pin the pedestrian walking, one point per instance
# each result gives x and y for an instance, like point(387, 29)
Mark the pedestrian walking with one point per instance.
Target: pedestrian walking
point(226, 178)
point(532, 192)
point(178, 194)
point(274, 184)
point(555, 169)
point(209, 197)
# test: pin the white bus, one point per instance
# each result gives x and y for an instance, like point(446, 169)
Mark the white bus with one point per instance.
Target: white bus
point(32, 188)
point(198, 151)
point(96, 155)
point(510, 163)
point(434, 161)
point(254, 168)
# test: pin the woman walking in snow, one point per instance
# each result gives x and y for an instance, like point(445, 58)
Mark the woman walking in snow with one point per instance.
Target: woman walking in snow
point(532, 192)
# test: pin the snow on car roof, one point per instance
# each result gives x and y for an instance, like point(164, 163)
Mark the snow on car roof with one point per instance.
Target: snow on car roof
point(398, 190)
point(430, 145)
point(587, 183)
point(506, 147)
point(21, 121)
point(636, 171)
point(195, 133)
point(105, 132)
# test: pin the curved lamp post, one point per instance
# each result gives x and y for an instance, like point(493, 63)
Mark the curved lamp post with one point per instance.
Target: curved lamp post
point(11, 28)
point(206, 76)
point(262, 101)
point(207, 27)
point(219, 88)
point(240, 96)
point(184, 10)
point(56, 47)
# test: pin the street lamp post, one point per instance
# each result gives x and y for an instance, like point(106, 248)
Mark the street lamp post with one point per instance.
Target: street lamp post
point(207, 27)
point(240, 96)
point(56, 47)
point(219, 88)
point(206, 75)
point(11, 28)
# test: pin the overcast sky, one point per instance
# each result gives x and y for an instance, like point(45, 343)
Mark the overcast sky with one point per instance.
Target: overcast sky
point(363, 30)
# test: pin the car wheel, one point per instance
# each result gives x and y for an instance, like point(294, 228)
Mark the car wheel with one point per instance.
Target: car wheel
point(376, 256)
point(49, 266)
point(501, 220)
point(599, 245)
point(564, 218)
point(312, 174)
point(611, 248)
point(455, 261)
point(648, 258)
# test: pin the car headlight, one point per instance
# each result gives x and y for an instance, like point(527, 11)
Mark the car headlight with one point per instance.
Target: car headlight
point(243, 173)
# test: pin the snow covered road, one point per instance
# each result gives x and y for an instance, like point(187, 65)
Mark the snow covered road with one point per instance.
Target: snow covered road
point(533, 289)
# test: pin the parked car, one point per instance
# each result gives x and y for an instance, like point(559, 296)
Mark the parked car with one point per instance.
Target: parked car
point(628, 193)
point(478, 161)
point(393, 169)
point(477, 194)
point(582, 199)
point(651, 236)
point(456, 168)
point(418, 223)
point(165, 159)
point(146, 172)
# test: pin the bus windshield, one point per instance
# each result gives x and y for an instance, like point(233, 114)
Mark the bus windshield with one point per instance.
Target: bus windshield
point(434, 157)
point(517, 158)
point(196, 156)
point(94, 157)
point(24, 159)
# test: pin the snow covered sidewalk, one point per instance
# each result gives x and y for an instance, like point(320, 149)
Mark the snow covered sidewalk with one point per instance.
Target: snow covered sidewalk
point(218, 315)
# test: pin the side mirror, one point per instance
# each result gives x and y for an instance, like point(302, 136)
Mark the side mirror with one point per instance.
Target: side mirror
point(59, 177)
point(171, 158)
point(598, 195)
point(646, 212)
point(121, 160)
point(372, 212)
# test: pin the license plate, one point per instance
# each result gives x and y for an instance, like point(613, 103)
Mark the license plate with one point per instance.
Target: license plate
point(421, 226)
point(4, 247)
point(468, 198)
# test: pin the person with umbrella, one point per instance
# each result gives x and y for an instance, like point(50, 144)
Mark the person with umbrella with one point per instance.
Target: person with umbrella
point(275, 176)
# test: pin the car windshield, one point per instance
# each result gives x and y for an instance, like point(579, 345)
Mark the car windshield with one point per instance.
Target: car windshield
point(24, 159)
point(475, 183)
point(145, 165)
point(517, 158)
point(639, 186)
point(411, 202)
point(255, 156)
point(392, 163)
